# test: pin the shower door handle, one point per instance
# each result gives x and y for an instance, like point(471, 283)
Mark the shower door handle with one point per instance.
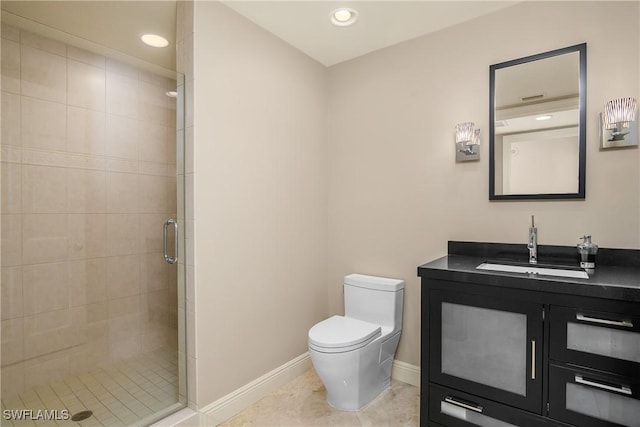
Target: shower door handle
point(174, 258)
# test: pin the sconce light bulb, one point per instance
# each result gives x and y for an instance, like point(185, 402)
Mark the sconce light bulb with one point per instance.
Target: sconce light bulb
point(464, 132)
point(618, 113)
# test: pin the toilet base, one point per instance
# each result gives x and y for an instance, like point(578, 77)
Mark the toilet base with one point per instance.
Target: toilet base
point(353, 379)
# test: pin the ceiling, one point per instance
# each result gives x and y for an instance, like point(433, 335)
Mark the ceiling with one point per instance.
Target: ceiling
point(306, 25)
point(303, 23)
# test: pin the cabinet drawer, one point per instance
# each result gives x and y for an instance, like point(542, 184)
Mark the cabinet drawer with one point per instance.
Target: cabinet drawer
point(453, 408)
point(593, 399)
point(604, 341)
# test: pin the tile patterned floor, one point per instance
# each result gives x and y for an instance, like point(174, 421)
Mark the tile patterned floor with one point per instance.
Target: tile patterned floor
point(303, 402)
point(127, 393)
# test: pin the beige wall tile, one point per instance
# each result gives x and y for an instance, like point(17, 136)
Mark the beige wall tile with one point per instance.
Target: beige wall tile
point(122, 307)
point(86, 191)
point(44, 238)
point(53, 331)
point(123, 276)
point(151, 228)
point(122, 137)
point(86, 131)
point(46, 370)
point(153, 142)
point(87, 236)
point(12, 341)
point(88, 283)
point(11, 246)
point(153, 194)
point(45, 287)
point(122, 192)
point(44, 189)
point(10, 32)
point(77, 177)
point(155, 339)
point(86, 57)
point(11, 117)
point(11, 188)
point(122, 327)
point(122, 95)
point(11, 292)
point(86, 86)
point(154, 272)
point(122, 234)
point(97, 314)
point(117, 67)
point(10, 66)
point(124, 348)
point(44, 75)
point(12, 377)
point(43, 43)
point(172, 195)
point(153, 104)
point(44, 124)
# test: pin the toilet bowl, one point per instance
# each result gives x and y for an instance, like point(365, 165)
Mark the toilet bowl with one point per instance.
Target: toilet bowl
point(353, 354)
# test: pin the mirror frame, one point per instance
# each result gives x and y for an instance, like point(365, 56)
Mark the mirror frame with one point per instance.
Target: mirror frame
point(582, 49)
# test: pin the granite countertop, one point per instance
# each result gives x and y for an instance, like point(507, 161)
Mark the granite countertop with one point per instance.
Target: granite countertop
point(616, 277)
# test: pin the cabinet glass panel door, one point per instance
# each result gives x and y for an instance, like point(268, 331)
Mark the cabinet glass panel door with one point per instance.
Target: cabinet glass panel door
point(486, 346)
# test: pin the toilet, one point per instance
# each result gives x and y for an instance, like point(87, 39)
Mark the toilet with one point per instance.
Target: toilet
point(353, 354)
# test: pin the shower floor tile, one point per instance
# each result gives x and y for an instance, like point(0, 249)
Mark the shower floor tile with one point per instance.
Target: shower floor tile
point(126, 393)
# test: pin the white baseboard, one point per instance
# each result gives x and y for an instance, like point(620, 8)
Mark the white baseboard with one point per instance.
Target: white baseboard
point(406, 373)
point(233, 403)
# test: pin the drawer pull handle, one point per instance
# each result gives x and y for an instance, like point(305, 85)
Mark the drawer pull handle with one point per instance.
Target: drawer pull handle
point(624, 323)
point(622, 389)
point(469, 406)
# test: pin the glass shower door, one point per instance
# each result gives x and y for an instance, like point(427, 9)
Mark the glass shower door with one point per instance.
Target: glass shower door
point(89, 165)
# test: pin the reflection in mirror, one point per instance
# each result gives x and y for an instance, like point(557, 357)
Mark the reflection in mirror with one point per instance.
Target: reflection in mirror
point(537, 117)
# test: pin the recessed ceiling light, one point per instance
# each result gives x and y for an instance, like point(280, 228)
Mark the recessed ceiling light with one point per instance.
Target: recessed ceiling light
point(155, 40)
point(343, 17)
point(544, 117)
point(171, 94)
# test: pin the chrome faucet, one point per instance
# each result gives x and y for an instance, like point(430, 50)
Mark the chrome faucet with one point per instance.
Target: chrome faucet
point(533, 243)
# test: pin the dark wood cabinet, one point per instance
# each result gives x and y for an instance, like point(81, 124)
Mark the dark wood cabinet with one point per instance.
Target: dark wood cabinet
point(498, 356)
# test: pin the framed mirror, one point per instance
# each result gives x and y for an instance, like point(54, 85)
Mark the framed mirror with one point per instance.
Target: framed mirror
point(537, 120)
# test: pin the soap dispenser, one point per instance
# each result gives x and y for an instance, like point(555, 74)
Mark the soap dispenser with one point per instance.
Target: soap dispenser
point(587, 251)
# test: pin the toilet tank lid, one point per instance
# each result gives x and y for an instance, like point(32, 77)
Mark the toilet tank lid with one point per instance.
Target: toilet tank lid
point(373, 282)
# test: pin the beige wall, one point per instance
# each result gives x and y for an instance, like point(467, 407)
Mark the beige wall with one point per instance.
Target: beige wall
point(260, 202)
point(88, 166)
point(396, 195)
point(264, 193)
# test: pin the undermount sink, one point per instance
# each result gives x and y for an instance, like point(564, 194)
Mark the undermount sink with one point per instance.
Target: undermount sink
point(532, 269)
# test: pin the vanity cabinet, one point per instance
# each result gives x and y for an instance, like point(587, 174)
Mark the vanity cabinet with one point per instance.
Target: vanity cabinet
point(502, 349)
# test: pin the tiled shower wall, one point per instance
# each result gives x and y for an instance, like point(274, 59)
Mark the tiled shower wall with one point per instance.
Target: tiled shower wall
point(88, 179)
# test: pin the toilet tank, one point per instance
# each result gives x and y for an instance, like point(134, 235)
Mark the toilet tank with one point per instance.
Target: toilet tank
point(373, 299)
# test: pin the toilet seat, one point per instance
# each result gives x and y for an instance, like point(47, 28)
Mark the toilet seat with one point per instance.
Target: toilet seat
point(339, 334)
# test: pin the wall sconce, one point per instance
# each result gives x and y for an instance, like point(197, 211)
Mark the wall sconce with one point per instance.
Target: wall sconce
point(619, 124)
point(467, 142)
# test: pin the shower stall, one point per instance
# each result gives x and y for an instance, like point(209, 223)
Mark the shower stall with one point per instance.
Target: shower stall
point(91, 154)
